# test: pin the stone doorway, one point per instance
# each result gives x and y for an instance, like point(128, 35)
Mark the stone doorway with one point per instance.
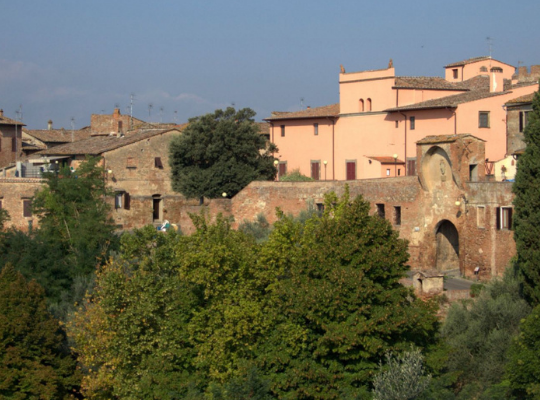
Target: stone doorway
point(447, 237)
point(157, 208)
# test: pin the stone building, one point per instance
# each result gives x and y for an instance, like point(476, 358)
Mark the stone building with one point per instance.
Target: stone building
point(10, 140)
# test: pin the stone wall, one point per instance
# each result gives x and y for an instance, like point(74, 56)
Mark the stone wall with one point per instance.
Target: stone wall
point(13, 193)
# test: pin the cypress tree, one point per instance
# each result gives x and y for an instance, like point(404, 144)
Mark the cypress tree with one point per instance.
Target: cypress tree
point(527, 207)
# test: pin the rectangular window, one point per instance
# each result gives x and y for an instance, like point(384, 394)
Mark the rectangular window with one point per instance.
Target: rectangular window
point(388, 172)
point(397, 215)
point(315, 129)
point(315, 170)
point(523, 119)
point(411, 167)
point(158, 163)
point(473, 172)
point(455, 73)
point(483, 119)
point(481, 216)
point(131, 162)
point(282, 168)
point(27, 208)
point(320, 208)
point(282, 130)
point(412, 121)
point(504, 218)
point(397, 124)
point(118, 200)
point(14, 144)
point(380, 210)
point(350, 167)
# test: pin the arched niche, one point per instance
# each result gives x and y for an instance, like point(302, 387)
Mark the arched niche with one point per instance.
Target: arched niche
point(447, 246)
point(437, 169)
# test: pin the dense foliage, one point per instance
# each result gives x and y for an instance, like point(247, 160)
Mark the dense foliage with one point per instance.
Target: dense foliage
point(307, 314)
point(34, 361)
point(527, 207)
point(295, 176)
point(220, 153)
point(75, 234)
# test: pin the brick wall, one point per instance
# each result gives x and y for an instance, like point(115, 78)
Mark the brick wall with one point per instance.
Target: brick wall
point(13, 193)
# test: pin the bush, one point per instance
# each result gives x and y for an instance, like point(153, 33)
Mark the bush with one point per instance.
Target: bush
point(295, 176)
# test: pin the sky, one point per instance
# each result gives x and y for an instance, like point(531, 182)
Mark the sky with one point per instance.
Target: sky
point(65, 60)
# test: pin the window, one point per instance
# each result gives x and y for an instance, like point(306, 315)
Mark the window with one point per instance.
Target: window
point(411, 167)
point(483, 68)
point(483, 119)
point(399, 171)
point(380, 210)
point(397, 215)
point(481, 216)
point(504, 218)
point(14, 144)
point(122, 200)
point(496, 69)
point(315, 170)
point(320, 208)
point(523, 119)
point(473, 172)
point(282, 130)
point(387, 171)
point(131, 162)
point(455, 73)
point(350, 167)
point(368, 104)
point(361, 105)
point(412, 121)
point(315, 129)
point(397, 124)
point(27, 208)
point(158, 163)
point(282, 168)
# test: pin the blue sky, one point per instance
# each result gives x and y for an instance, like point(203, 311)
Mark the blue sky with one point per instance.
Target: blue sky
point(64, 59)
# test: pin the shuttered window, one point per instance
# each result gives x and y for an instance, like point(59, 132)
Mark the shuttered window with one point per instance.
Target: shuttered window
point(282, 169)
point(27, 208)
point(315, 170)
point(351, 170)
point(411, 167)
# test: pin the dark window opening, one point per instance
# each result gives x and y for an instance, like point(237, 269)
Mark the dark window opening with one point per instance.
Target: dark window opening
point(27, 208)
point(523, 119)
point(473, 172)
point(351, 170)
point(282, 130)
point(411, 167)
point(315, 129)
point(412, 121)
point(13, 144)
point(282, 169)
point(158, 163)
point(455, 73)
point(361, 105)
point(397, 215)
point(315, 170)
point(380, 210)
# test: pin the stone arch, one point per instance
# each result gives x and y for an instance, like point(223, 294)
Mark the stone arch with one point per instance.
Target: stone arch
point(361, 105)
point(447, 246)
point(436, 168)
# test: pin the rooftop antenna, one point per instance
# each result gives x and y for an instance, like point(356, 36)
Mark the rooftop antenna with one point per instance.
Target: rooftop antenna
point(161, 109)
point(131, 98)
point(150, 106)
point(19, 117)
point(233, 104)
point(490, 44)
point(116, 105)
point(301, 103)
point(175, 115)
point(72, 128)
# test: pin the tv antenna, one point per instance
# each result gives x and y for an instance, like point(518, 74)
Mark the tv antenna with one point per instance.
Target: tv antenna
point(301, 103)
point(150, 106)
point(490, 45)
point(233, 104)
point(72, 129)
point(175, 115)
point(116, 105)
point(161, 109)
point(131, 98)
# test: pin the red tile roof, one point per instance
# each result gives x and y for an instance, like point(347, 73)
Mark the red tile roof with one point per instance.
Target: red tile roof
point(470, 61)
point(9, 121)
point(316, 112)
point(96, 145)
point(57, 135)
point(427, 82)
point(528, 98)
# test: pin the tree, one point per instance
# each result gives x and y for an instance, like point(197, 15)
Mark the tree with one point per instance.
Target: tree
point(402, 378)
point(524, 366)
point(337, 302)
point(527, 207)
point(220, 153)
point(75, 233)
point(34, 359)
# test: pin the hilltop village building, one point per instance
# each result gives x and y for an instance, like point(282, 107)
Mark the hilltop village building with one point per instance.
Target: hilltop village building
point(373, 130)
point(450, 195)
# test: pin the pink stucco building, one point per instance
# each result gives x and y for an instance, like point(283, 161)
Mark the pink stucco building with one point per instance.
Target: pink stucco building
point(372, 131)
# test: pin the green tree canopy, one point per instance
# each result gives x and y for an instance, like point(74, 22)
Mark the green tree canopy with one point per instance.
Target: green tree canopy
point(34, 359)
point(220, 153)
point(527, 207)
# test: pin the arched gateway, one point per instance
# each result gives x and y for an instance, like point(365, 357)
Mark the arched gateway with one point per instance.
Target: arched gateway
point(447, 238)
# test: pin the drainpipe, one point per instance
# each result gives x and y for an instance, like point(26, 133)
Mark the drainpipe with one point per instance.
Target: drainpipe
point(333, 148)
point(405, 116)
point(455, 119)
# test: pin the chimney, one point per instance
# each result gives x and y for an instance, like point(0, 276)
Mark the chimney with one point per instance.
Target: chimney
point(49, 125)
point(308, 107)
point(535, 71)
point(116, 113)
point(496, 81)
point(1, 112)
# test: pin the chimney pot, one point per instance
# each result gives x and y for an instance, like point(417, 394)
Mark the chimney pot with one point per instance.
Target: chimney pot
point(50, 125)
point(1, 112)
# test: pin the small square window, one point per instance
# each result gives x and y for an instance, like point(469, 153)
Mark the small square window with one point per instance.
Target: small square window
point(412, 121)
point(315, 129)
point(282, 130)
point(483, 119)
point(455, 73)
point(320, 208)
point(122, 200)
point(388, 172)
point(158, 163)
point(396, 124)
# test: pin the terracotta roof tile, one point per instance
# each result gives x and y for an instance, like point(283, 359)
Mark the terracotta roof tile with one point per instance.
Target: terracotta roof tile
point(57, 135)
point(316, 112)
point(264, 128)
point(469, 61)
point(528, 98)
point(100, 144)
point(9, 121)
point(426, 82)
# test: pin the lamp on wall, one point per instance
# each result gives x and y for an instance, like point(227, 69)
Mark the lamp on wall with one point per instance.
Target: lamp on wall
point(461, 199)
point(224, 194)
point(325, 163)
